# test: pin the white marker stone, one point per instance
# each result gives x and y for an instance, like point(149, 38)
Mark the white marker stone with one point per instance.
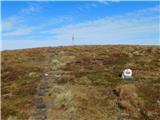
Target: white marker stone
point(127, 74)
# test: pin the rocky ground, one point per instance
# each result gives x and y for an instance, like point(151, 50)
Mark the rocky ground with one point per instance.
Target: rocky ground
point(82, 83)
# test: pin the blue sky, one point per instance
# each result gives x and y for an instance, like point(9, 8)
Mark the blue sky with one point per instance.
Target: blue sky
point(39, 24)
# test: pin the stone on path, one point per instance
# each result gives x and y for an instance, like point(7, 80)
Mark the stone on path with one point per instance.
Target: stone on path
point(39, 103)
point(40, 115)
point(43, 85)
point(41, 92)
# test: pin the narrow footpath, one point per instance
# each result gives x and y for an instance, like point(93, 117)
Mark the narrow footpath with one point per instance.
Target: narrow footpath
point(40, 104)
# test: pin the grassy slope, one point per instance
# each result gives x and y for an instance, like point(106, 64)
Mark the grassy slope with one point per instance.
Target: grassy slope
point(91, 77)
point(21, 72)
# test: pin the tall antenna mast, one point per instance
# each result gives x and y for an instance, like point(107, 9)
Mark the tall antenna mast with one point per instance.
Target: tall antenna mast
point(72, 38)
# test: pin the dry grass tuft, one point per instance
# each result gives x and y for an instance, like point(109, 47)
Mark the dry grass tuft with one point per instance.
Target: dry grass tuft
point(128, 99)
point(63, 100)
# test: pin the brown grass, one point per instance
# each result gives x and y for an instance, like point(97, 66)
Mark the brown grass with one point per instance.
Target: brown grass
point(89, 75)
point(18, 84)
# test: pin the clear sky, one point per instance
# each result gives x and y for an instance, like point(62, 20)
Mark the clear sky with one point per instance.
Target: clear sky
point(39, 24)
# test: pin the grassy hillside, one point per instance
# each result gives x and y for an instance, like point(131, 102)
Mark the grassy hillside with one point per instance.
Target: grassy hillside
point(83, 82)
point(21, 72)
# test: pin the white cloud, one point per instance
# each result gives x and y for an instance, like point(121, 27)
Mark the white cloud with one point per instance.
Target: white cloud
point(132, 26)
point(9, 24)
point(18, 32)
point(104, 2)
point(21, 44)
point(14, 26)
point(32, 8)
point(14, 23)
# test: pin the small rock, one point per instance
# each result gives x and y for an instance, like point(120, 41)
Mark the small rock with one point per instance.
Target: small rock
point(136, 53)
point(56, 77)
point(43, 85)
point(31, 74)
point(46, 74)
point(38, 102)
point(41, 116)
point(41, 92)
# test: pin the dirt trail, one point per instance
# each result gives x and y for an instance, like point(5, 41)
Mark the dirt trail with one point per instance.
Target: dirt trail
point(54, 74)
point(39, 102)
